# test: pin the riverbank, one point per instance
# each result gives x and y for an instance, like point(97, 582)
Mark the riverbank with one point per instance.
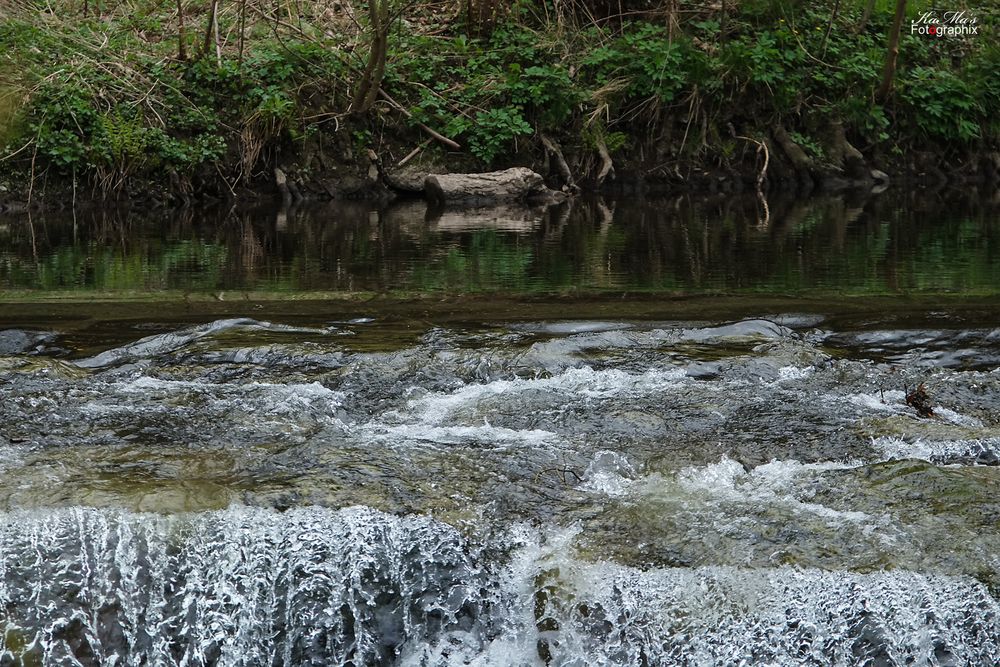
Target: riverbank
point(143, 102)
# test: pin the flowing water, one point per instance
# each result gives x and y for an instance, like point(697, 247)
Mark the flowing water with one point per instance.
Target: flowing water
point(596, 480)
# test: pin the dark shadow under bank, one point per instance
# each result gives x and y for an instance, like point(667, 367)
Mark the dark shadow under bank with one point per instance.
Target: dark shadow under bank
point(359, 177)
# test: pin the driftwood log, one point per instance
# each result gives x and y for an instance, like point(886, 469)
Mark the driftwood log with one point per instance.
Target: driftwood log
point(511, 185)
point(406, 179)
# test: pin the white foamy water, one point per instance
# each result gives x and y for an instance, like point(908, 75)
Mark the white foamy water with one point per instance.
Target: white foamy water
point(608, 515)
point(950, 416)
point(787, 373)
point(317, 586)
point(486, 434)
point(609, 473)
point(894, 448)
point(265, 406)
point(237, 587)
point(892, 401)
point(778, 483)
point(780, 617)
point(576, 382)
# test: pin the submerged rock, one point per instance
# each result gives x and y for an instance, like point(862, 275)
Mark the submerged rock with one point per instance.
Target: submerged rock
point(19, 341)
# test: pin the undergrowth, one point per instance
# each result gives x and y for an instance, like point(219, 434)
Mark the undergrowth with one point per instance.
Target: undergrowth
point(106, 97)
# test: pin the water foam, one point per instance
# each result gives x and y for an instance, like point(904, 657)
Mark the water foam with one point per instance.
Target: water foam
point(236, 587)
point(318, 586)
point(935, 451)
point(778, 483)
point(782, 616)
point(583, 382)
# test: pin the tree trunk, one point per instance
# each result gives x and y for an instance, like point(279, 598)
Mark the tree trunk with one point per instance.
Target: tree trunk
point(181, 53)
point(842, 154)
point(209, 28)
point(802, 163)
point(555, 151)
point(723, 22)
point(792, 150)
point(829, 27)
point(481, 17)
point(517, 184)
point(865, 17)
point(243, 30)
point(281, 180)
point(889, 71)
point(371, 78)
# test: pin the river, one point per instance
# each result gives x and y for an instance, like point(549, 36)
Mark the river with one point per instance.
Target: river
point(622, 433)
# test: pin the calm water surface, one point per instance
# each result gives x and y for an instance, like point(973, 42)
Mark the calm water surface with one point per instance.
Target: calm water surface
point(880, 245)
point(610, 479)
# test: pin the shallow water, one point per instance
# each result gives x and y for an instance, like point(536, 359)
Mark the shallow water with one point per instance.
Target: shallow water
point(352, 486)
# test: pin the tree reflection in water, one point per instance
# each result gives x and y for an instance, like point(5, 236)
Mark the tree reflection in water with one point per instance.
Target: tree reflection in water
point(699, 245)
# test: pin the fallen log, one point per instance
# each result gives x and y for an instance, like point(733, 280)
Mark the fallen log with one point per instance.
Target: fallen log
point(509, 185)
point(406, 179)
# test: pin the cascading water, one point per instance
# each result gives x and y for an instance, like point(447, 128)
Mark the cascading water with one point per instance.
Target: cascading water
point(747, 493)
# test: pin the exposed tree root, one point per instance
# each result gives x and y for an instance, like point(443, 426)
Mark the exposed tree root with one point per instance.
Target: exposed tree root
point(607, 166)
point(564, 171)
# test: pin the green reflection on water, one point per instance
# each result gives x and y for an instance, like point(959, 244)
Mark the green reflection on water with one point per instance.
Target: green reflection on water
point(874, 246)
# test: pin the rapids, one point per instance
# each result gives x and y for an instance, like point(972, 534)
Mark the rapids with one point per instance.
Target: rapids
point(327, 491)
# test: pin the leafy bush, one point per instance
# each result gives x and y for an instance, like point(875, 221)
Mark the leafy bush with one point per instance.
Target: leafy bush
point(108, 93)
point(494, 130)
point(649, 62)
point(942, 104)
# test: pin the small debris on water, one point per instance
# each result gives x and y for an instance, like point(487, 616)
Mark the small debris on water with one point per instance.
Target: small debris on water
point(919, 400)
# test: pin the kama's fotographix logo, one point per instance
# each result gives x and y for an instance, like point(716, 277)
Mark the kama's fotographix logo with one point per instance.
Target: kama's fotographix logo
point(955, 23)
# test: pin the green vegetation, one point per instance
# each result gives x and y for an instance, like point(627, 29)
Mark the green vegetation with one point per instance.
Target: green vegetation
point(125, 92)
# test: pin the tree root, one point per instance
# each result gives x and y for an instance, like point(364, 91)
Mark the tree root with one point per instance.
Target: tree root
point(607, 166)
point(281, 180)
point(555, 151)
point(761, 148)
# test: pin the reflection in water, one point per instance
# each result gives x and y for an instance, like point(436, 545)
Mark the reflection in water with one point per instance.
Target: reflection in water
point(871, 246)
